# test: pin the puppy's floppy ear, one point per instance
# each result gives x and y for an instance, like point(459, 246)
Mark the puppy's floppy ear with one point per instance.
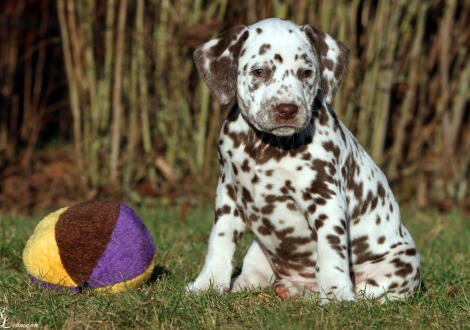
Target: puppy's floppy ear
point(333, 58)
point(217, 62)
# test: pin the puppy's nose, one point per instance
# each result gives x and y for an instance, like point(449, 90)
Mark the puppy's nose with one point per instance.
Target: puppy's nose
point(287, 111)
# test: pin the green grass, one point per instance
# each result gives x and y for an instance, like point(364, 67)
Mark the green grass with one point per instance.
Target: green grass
point(443, 241)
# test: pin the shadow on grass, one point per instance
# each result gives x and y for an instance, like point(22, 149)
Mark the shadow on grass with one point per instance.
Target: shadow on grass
point(158, 271)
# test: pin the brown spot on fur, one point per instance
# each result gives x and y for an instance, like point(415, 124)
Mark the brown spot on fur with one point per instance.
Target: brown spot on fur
point(253, 217)
point(395, 245)
point(245, 167)
point(235, 169)
point(360, 248)
point(403, 268)
point(237, 236)
point(320, 221)
point(320, 201)
point(331, 147)
point(246, 197)
point(377, 221)
point(372, 282)
point(329, 64)
point(291, 206)
point(380, 191)
point(226, 209)
point(231, 192)
point(319, 185)
point(268, 209)
point(339, 230)
point(264, 48)
point(335, 242)
point(311, 208)
point(266, 228)
point(323, 116)
point(273, 199)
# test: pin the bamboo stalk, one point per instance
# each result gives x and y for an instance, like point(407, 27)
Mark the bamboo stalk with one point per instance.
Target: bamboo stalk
point(107, 79)
point(382, 105)
point(90, 110)
point(444, 63)
point(144, 100)
point(405, 114)
point(133, 99)
point(72, 84)
point(32, 125)
point(27, 87)
point(117, 89)
point(41, 58)
point(461, 181)
point(202, 124)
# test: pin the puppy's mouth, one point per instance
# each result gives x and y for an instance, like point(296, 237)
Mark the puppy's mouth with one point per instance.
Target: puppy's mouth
point(280, 126)
point(285, 130)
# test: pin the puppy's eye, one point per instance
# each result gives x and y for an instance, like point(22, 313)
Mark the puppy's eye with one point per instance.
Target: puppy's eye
point(306, 73)
point(258, 73)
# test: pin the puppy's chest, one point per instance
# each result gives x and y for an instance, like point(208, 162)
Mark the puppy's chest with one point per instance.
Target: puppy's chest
point(262, 186)
point(265, 194)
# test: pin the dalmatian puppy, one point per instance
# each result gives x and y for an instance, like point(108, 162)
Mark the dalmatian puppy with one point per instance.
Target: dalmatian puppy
point(323, 214)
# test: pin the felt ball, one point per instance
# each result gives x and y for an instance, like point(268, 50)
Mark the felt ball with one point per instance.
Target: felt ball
point(98, 245)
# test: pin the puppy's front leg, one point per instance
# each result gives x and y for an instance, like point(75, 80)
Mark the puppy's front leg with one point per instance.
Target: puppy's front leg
point(227, 231)
point(329, 220)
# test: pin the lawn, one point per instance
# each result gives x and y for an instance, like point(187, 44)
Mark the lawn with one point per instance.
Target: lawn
point(443, 241)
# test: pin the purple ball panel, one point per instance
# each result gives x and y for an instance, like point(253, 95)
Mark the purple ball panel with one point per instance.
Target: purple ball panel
point(43, 284)
point(128, 254)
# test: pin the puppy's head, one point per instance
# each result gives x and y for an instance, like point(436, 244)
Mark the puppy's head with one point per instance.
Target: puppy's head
point(275, 68)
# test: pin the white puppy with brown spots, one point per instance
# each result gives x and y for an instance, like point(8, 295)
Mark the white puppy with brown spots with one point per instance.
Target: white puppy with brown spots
point(324, 216)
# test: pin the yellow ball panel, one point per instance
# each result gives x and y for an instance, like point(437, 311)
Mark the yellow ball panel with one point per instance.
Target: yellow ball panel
point(133, 283)
point(41, 254)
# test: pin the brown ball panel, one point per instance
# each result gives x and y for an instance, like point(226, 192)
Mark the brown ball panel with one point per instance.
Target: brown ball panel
point(82, 234)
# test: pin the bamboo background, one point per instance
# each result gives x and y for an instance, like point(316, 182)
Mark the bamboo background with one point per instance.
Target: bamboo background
point(138, 111)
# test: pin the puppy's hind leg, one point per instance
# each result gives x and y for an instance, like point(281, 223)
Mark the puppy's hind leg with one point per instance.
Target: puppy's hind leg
point(256, 271)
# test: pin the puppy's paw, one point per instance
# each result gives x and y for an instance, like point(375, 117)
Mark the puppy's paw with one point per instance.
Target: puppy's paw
point(350, 296)
point(190, 287)
point(249, 281)
point(285, 288)
point(200, 286)
point(343, 295)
